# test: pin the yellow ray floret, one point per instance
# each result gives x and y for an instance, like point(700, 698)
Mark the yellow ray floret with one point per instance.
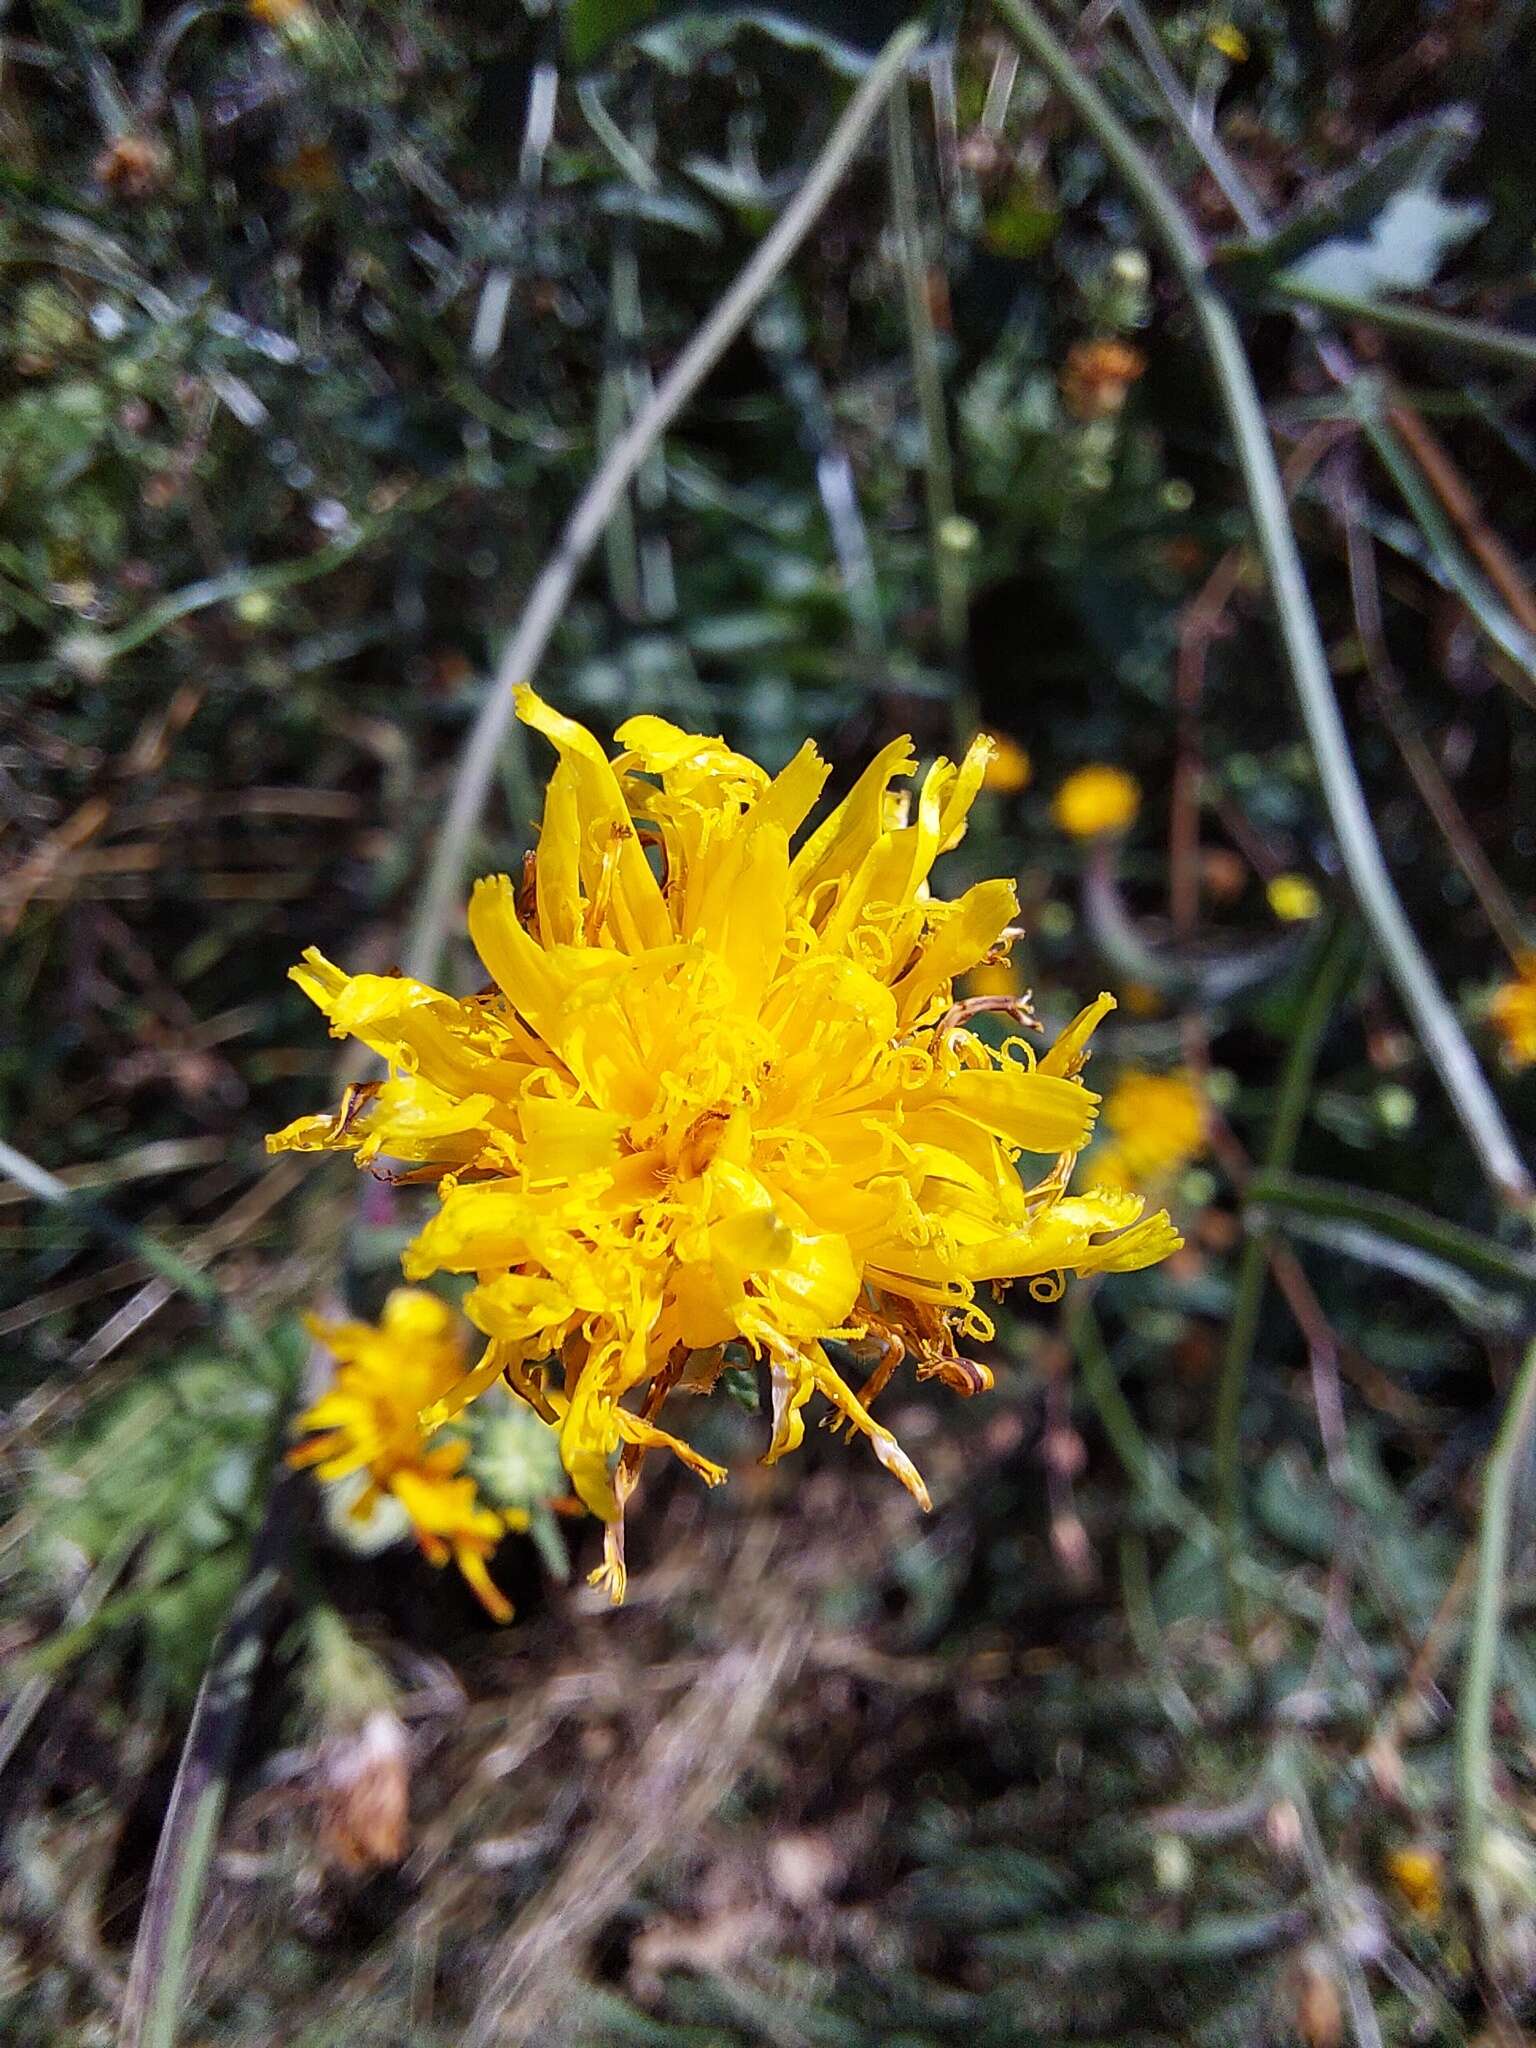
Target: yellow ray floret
point(720, 1093)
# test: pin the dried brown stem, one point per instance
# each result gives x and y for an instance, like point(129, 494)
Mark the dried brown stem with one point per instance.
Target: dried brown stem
point(1462, 508)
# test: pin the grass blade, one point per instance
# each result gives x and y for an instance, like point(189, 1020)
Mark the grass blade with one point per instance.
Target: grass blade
point(158, 1973)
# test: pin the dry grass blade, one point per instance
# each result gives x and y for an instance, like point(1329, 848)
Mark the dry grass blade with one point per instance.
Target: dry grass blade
point(684, 1771)
point(162, 1951)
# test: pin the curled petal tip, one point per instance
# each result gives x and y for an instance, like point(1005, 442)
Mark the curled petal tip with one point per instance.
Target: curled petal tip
point(895, 1460)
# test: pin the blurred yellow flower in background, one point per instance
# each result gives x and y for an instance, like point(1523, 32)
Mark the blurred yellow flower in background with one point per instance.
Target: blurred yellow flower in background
point(1097, 798)
point(720, 1094)
point(1513, 1012)
point(369, 1421)
point(1293, 899)
point(1010, 769)
point(1152, 1126)
point(1417, 1874)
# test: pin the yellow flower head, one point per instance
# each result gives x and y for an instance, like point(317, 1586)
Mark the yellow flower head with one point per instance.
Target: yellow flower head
point(370, 1421)
point(997, 980)
point(1010, 768)
point(1513, 1011)
point(719, 1093)
point(1095, 799)
point(1230, 40)
point(1417, 1874)
point(1154, 1125)
point(1293, 899)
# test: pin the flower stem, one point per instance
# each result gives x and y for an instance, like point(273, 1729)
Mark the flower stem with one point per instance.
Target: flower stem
point(1439, 1030)
point(1333, 965)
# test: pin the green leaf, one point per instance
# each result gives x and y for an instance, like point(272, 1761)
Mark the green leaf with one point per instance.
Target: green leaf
point(101, 21)
point(738, 1383)
point(591, 25)
point(1023, 223)
point(992, 1888)
point(1488, 1285)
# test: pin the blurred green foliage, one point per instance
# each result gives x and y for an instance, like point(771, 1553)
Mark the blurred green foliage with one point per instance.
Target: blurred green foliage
point(172, 1474)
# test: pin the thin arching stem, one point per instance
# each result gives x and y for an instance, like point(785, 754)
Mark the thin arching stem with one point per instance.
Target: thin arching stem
point(547, 602)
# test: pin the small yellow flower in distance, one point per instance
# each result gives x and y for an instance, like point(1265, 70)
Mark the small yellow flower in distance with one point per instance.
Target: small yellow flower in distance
point(1153, 1125)
point(1513, 1011)
point(387, 1374)
point(277, 13)
point(999, 978)
point(1095, 799)
point(1293, 899)
point(1010, 767)
point(719, 1093)
point(1230, 40)
point(1142, 1000)
point(1097, 376)
point(1417, 1874)
point(313, 168)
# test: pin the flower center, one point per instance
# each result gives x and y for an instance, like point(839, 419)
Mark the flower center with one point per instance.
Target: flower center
point(701, 1141)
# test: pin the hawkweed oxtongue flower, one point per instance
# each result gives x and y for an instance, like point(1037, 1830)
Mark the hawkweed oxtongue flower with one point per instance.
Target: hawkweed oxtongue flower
point(374, 1426)
point(719, 1094)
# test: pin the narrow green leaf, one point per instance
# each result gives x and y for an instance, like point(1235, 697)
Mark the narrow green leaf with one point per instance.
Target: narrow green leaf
point(591, 25)
point(1482, 1280)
